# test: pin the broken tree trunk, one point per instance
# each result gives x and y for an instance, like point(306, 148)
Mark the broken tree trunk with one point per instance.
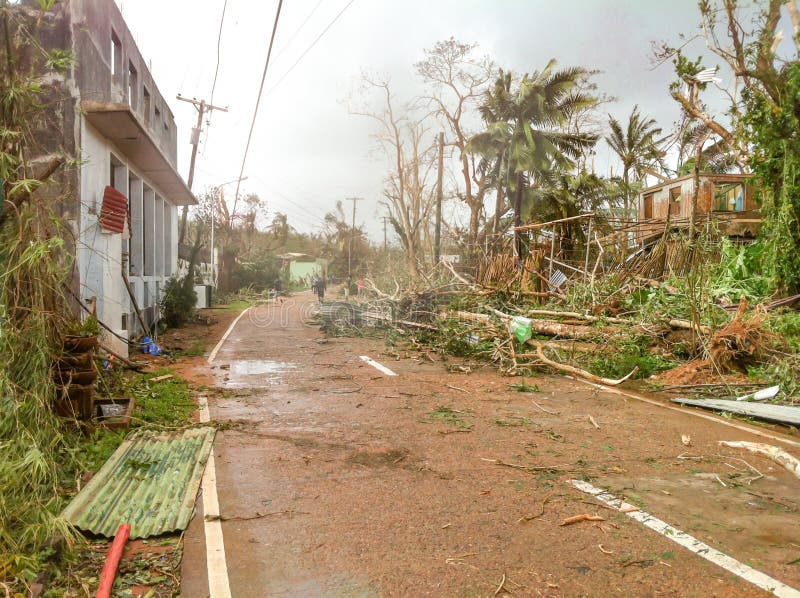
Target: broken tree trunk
point(554, 328)
point(579, 372)
point(576, 316)
point(775, 453)
point(570, 346)
point(687, 325)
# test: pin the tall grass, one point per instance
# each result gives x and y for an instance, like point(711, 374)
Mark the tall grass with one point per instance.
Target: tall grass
point(34, 448)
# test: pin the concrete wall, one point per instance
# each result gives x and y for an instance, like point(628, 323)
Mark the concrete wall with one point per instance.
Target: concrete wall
point(94, 23)
point(96, 34)
point(152, 233)
point(300, 270)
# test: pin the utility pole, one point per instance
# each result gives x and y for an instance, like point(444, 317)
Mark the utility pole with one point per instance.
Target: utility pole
point(201, 108)
point(437, 240)
point(355, 200)
point(385, 244)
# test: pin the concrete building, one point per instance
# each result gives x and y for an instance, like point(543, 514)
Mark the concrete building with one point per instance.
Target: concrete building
point(117, 123)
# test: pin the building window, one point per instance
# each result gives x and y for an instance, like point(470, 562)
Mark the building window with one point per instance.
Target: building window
point(675, 201)
point(729, 197)
point(648, 206)
point(133, 86)
point(116, 56)
point(146, 102)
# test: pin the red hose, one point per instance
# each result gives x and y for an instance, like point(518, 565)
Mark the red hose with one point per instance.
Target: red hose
point(112, 561)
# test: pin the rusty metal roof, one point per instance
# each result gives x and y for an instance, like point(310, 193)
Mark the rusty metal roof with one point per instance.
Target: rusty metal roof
point(151, 482)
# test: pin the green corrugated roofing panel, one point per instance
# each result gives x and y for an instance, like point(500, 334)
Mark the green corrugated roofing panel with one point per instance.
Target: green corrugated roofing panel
point(151, 482)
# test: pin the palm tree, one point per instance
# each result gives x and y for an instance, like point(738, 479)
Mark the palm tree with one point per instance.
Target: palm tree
point(638, 149)
point(525, 142)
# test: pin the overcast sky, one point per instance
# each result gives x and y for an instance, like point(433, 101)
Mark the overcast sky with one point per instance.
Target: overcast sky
point(307, 150)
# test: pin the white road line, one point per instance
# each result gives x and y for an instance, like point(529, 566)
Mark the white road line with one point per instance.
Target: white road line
point(218, 584)
point(216, 564)
point(755, 577)
point(381, 368)
point(225, 336)
point(692, 412)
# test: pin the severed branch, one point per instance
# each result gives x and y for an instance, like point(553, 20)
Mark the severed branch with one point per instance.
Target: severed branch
point(579, 372)
point(23, 196)
point(696, 112)
point(775, 453)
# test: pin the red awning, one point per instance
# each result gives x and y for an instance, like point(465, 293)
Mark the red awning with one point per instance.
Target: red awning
point(114, 210)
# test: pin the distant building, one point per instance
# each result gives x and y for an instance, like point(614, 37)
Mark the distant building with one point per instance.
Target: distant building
point(127, 189)
point(303, 267)
point(727, 199)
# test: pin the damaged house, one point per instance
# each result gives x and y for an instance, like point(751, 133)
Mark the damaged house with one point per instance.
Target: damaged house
point(726, 200)
point(126, 188)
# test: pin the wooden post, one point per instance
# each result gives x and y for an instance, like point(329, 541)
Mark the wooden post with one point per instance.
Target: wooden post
point(437, 239)
point(201, 107)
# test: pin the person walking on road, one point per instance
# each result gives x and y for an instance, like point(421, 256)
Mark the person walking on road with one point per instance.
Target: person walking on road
point(321, 288)
point(277, 287)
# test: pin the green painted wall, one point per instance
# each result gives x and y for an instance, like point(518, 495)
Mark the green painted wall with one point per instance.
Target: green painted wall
point(299, 270)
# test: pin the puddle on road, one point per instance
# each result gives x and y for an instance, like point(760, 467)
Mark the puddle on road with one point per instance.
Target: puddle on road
point(239, 371)
point(259, 367)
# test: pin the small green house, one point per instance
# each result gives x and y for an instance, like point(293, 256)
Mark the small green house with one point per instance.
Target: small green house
point(301, 267)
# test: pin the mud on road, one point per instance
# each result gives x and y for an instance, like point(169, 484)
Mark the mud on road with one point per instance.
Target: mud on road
point(335, 479)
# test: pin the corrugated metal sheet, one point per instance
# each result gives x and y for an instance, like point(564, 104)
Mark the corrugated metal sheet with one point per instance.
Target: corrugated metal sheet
point(151, 482)
point(114, 210)
point(785, 414)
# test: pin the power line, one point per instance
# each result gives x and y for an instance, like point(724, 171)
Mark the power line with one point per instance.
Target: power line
point(308, 49)
point(258, 102)
point(305, 212)
point(216, 70)
point(219, 42)
point(298, 30)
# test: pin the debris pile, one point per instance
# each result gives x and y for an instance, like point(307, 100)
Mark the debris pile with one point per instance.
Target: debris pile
point(601, 315)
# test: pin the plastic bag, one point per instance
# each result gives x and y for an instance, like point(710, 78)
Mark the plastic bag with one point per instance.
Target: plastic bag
point(520, 327)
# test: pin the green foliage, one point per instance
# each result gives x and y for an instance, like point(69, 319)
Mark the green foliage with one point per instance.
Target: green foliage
point(35, 448)
point(740, 272)
point(258, 274)
point(449, 416)
point(787, 325)
point(178, 303)
point(88, 327)
point(165, 403)
point(525, 140)
point(633, 352)
point(772, 130)
point(524, 387)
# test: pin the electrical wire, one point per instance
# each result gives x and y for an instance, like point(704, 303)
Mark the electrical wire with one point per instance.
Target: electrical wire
point(308, 49)
point(216, 70)
point(298, 30)
point(258, 102)
point(219, 42)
